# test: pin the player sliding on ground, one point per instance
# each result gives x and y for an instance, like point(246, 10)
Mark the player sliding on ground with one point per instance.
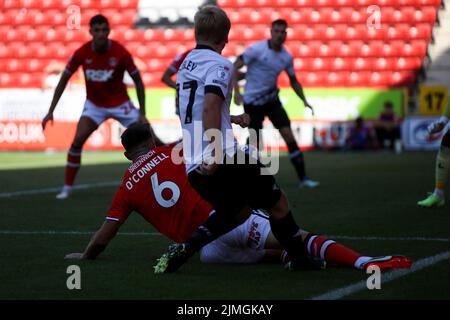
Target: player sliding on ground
point(224, 175)
point(437, 199)
point(158, 189)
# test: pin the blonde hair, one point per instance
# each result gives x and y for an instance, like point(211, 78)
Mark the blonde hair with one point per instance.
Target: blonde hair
point(211, 24)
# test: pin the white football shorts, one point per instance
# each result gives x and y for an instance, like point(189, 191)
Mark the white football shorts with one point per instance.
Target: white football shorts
point(244, 244)
point(126, 113)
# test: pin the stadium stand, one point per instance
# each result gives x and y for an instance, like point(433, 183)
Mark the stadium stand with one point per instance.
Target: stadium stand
point(330, 39)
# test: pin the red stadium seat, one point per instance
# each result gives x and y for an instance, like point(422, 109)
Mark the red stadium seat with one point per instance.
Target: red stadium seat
point(14, 65)
point(324, 50)
point(339, 64)
point(316, 79)
point(329, 39)
point(415, 48)
point(357, 79)
point(13, 35)
point(152, 80)
point(413, 63)
point(421, 31)
point(8, 50)
point(321, 64)
point(388, 50)
point(358, 16)
point(309, 49)
point(336, 79)
point(75, 36)
point(8, 80)
point(378, 79)
point(31, 35)
point(36, 65)
point(382, 64)
point(360, 64)
point(425, 15)
point(404, 78)
point(5, 18)
point(302, 63)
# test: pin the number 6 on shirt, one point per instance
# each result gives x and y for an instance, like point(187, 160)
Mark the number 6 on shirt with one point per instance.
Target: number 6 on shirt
point(159, 188)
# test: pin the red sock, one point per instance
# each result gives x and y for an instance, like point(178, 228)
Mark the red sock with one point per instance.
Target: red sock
point(330, 251)
point(73, 165)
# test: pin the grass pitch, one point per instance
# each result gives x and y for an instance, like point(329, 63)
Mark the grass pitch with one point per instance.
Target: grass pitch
point(366, 201)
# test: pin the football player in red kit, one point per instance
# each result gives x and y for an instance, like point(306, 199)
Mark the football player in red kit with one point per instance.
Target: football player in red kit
point(157, 188)
point(104, 62)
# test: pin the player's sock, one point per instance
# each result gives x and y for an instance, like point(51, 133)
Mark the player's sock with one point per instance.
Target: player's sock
point(287, 232)
point(217, 225)
point(296, 156)
point(442, 168)
point(331, 251)
point(73, 165)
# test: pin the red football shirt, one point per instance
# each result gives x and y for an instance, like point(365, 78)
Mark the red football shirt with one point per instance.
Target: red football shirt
point(103, 73)
point(159, 190)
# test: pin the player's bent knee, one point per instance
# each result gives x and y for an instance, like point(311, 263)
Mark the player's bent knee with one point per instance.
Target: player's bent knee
point(209, 255)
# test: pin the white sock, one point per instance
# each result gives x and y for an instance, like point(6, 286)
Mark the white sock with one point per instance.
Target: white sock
point(361, 260)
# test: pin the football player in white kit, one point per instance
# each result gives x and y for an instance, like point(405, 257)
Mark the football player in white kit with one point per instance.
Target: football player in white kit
point(204, 89)
point(265, 60)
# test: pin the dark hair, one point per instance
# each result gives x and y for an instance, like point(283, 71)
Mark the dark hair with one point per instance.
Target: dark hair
point(279, 22)
point(98, 19)
point(135, 135)
point(388, 104)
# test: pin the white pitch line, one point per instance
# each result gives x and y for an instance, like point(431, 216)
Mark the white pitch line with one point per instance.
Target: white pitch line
point(386, 277)
point(53, 190)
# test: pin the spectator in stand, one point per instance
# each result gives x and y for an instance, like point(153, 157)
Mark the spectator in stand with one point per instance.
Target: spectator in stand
point(387, 128)
point(360, 137)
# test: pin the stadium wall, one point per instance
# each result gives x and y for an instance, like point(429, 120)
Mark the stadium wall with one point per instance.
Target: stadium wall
point(21, 112)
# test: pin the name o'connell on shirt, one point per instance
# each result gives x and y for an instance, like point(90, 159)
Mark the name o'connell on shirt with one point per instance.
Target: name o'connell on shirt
point(142, 172)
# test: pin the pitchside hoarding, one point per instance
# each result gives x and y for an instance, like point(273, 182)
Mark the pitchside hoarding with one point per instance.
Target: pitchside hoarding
point(21, 112)
point(415, 133)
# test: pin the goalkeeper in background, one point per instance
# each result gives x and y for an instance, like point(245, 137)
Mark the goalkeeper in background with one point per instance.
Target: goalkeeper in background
point(436, 199)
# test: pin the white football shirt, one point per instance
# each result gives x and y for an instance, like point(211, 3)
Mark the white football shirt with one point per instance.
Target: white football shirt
point(203, 71)
point(264, 65)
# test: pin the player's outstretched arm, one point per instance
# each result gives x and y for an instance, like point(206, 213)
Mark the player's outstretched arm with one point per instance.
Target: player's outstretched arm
point(99, 241)
point(299, 91)
point(167, 78)
point(140, 91)
point(238, 64)
point(65, 76)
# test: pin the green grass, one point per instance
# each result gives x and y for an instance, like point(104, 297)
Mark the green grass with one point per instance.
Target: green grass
point(362, 194)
